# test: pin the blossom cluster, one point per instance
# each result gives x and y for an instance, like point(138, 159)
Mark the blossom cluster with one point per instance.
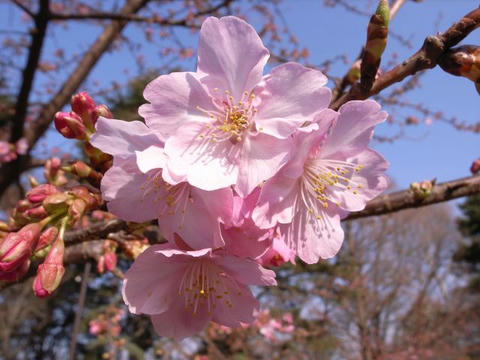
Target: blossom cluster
point(242, 170)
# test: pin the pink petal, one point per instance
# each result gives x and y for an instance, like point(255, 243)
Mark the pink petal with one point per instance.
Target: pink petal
point(246, 240)
point(292, 94)
point(123, 187)
point(207, 165)
point(173, 100)
point(150, 282)
point(276, 203)
point(178, 323)
point(231, 54)
point(122, 138)
point(367, 183)
point(262, 156)
point(150, 158)
point(240, 308)
point(312, 238)
point(246, 271)
point(354, 127)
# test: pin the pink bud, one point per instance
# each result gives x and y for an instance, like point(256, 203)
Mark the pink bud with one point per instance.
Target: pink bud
point(82, 104)
point(110, 260)
point(39, 193)
point(101, 110)
point(46, 238)
point(16, 274)
point(51, 167)
point(56, 203)
point(70, 125)
point(17, 247)
point(21, 146)
point(36, 213)
point(475, 168)
point(77, 209)
point(50, 273)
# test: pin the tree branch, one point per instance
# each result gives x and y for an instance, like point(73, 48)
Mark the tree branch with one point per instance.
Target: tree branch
point(24, 8)
point(12, 170)
point(406, 199)
point(425, 58)
point(41, 22)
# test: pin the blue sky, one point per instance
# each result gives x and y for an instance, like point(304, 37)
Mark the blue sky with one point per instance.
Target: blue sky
point(424, 152)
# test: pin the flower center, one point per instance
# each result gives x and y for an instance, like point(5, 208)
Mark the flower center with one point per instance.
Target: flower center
point(322, 176)
point(171, 199)
point(204, 284)
point(230, 120)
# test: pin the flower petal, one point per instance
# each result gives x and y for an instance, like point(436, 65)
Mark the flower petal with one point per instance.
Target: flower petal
point(246, 271)
point(231, 54)
point(123, 187)
point(291, 95)
point(354, 128)
point(122, 138)
point(147, 288)
point(239, 308)
point(262, 156)
point(173, 100)
point(151, 158)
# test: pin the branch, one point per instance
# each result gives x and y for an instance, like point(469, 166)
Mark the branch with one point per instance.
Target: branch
point(138, 18)
point(406, 199)
point(41, 22)
point(24, 8)
point(425, 58)
point(97, 231)
point(12, 170)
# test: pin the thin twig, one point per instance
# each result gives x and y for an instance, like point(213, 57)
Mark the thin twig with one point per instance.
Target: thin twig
point(78, 314)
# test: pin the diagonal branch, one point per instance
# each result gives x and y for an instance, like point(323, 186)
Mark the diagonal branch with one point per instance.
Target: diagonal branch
point(425, 58)
point(24, 8)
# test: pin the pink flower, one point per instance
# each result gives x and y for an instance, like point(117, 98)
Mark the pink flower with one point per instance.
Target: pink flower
point(333, 172)
point(140, 186)
point(227, 124)
point(21, 146)
point(278, 253)
point(183, 290)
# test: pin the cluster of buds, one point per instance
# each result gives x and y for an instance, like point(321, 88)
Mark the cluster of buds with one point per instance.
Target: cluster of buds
point(422, 189)
point(9, 152)
point(475, 168)
point(463, 61)
point(108, 260)
point(80, 124)
point(107, 322)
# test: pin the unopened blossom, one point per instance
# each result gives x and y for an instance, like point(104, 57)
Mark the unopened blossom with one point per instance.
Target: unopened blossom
point(183, 290)
point(17, 247)
point(51, 271)
point(475, 167)
point(228, 124)
point(140, 186)
point(332, 173)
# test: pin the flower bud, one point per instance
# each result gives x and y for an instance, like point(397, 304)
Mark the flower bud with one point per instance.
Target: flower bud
point(77, 209)
point(99, 159)
point(56, 203)
point(50, 273)
point(110, 260)
point(46, 238)
point(82, 104)
point(83, 171)
point(101, 110)
point(17, 247)
point(422, 189)
point(70, 125)
point(39, 193)
point(16, 274)
point(51, 168)
point(475, 168)
point(36, 213)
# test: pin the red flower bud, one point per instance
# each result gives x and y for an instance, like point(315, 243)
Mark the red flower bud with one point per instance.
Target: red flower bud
point(50, 273)
point(36, 213)
point(77, 209)
point(101, 110)
point(110, 260)
point(39, 193)
point(17, 247)
point(46, 238)
point(82, 104)
point(16, 274)
point(70, 125)
point(51, 168)
point(475, 168)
